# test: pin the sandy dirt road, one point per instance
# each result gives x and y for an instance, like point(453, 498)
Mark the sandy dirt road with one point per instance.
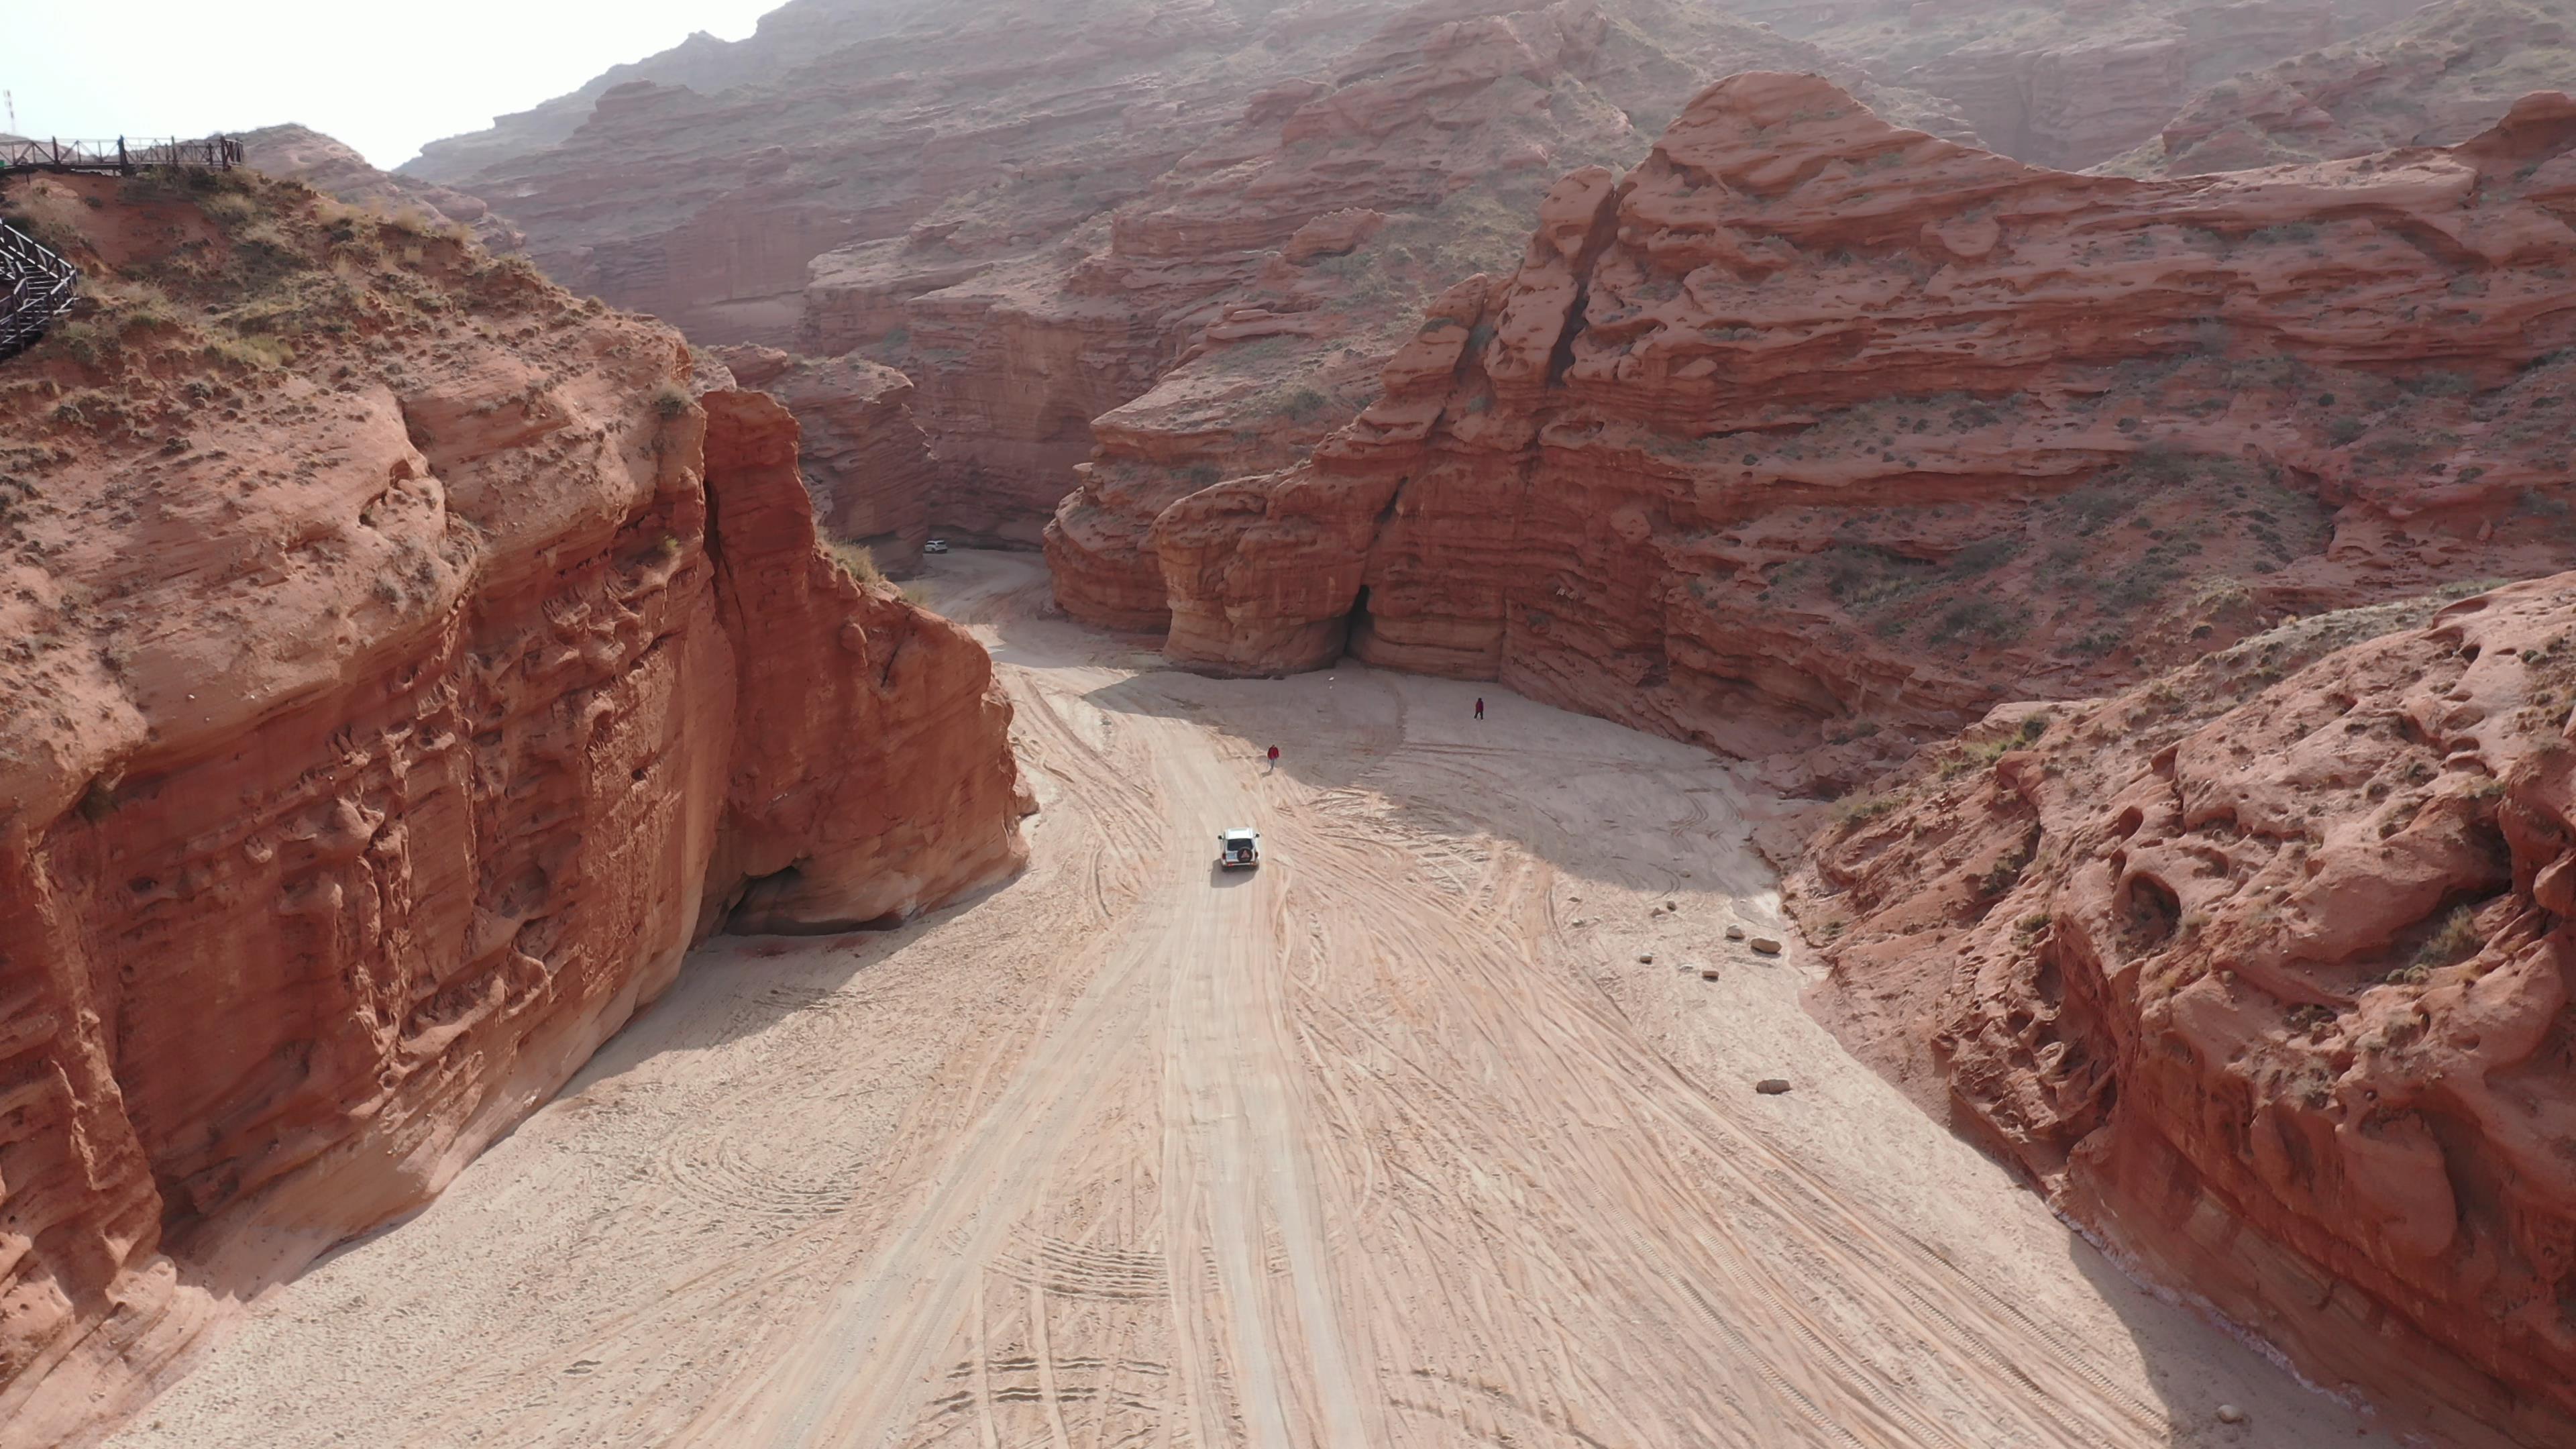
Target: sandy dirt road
point(1399, 1140)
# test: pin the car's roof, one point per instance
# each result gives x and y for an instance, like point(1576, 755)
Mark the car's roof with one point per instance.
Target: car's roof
point(1243, 830)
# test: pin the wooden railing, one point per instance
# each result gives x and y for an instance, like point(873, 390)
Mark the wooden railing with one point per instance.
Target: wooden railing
point(122, 156)
point(36, 285)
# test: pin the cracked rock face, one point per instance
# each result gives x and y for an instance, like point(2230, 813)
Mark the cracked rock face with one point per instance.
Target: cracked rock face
point(1812, 420)
point(2267, 984)
point(385, 714)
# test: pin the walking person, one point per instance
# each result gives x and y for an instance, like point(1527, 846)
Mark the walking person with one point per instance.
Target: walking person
point(1480, 706)
point(1274, 757)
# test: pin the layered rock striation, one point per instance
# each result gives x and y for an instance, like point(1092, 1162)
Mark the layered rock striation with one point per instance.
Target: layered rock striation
point(2262, 972)
point(1811, 422)
point(403, 672)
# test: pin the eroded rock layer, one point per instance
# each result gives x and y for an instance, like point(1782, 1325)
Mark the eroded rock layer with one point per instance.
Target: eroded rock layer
point(1813, 419)
point(2262, 971)
point(402, 674)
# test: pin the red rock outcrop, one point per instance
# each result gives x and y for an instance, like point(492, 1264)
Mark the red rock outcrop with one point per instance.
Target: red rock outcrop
point(402, 673)
point(2265, 980)
point(2435, 78)
point(864, 458)
point(300, 153)
point(1813, 419)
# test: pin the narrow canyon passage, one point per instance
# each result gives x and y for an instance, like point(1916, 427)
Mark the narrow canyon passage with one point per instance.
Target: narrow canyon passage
point(1400, 1140)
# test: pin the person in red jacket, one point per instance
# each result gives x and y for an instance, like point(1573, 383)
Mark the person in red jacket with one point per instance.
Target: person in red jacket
point(1480, 706)
point(1274, 757)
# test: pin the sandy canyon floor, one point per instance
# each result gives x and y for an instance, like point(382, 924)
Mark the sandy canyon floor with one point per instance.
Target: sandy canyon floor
point(1398, 1141)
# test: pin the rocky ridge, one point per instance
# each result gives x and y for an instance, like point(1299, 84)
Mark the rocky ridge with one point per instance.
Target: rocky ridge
point(300, 153)
point(403, 672)
point(2261, 971)
point(1812, 423)
point(2071, 85)
point(2437, 77)
point(1119, 227)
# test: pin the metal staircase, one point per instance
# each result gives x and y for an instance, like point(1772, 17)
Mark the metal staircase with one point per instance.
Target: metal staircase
point(36, 286)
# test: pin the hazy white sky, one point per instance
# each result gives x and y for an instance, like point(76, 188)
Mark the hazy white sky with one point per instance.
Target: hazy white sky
point(382, 77)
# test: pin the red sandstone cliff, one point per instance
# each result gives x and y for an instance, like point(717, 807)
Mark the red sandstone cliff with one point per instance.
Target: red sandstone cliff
point(1810, 420)
point(2267, 984)
point(402, 674)
point(2437, 77)
point(1046, 215)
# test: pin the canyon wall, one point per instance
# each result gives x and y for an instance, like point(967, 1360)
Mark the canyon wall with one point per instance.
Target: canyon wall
point(1812, 435)
point(403, 673)
point(1811, 421)
point(1268, 272)
point(2262, 972)
point(1038, 212)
